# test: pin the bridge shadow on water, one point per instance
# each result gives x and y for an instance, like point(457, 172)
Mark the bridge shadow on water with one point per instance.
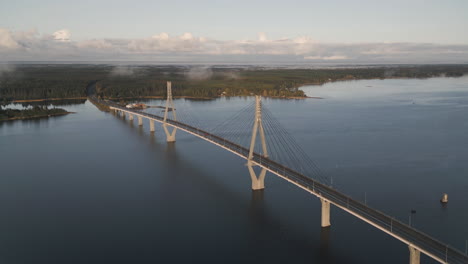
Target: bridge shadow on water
point(267, 238)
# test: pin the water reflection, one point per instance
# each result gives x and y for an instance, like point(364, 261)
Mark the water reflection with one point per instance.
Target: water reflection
point(261, 220)
point(98, 185)
point(325, 243)
point(388, 89)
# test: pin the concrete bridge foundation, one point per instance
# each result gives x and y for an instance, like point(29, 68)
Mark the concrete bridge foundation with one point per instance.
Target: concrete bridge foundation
point(151, 125)
point(415, 255)
point(325, 212)
point(258, 183)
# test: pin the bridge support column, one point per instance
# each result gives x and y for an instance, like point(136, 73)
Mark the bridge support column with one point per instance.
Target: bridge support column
point(130, 117)
point(170, 135)
point(415, 255)
point(325, 212)
point(151, 125)
point(140, 121)
point(258, 183)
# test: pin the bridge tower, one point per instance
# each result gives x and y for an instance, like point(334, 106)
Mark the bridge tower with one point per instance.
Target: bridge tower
point(170, 135)
point(258, 183)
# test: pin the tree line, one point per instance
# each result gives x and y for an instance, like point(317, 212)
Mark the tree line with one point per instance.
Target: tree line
point(28, 82)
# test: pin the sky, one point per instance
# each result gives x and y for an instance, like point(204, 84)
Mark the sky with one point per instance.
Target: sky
point(296, 31)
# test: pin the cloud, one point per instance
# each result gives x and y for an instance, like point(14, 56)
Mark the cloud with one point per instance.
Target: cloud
point(162, 36)
point(262, 37)
point(7, 40)
point(162, 47)
point(326, 58)
point(186, 36)
point(123, 71)
point(95, 44)
point(199, 73)
point(206, 72)
point(62, 35)
point(6, 69)
point(230, 75)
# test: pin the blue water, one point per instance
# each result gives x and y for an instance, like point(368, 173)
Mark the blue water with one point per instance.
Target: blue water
point(94, 188)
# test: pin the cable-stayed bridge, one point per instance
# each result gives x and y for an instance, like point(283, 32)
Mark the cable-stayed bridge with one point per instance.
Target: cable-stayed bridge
point(278, 153)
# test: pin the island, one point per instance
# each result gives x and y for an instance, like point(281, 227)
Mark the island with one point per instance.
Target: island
point(7, 114)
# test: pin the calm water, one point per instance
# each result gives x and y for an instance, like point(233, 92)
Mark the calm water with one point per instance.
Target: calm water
point(93, 188)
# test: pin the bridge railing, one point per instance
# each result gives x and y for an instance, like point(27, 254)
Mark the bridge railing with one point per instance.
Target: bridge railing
point(413, 236)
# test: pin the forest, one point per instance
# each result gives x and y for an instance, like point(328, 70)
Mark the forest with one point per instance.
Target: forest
point(34, 112)
point(57, 81)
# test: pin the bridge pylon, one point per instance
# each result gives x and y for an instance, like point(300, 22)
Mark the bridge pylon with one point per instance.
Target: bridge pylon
point(258, 183)
point(415, 255)
point(325, 212)
point(170, 135)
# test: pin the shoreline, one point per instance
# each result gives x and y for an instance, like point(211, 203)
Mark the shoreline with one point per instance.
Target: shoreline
point(36, 117)
point(48, 99)
point(213, 98)
point(162, 97)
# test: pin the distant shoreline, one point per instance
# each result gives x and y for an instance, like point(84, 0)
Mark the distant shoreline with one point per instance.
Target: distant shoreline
point(213, 98)
point(271, 82)
point(162, 97)
point(36, 117)
point(47, 99)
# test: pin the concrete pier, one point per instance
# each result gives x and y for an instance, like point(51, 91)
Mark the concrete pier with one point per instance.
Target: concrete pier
point(258, 183)
point(415, 255)
point(130, 117)
point(325, 212)
point(140, 121)
point(151, 125)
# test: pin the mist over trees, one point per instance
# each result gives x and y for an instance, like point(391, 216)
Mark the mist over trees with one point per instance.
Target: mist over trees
point(28, 82)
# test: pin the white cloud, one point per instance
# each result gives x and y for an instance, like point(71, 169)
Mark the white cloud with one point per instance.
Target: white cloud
point(262, 37)
point(186, 36)
point(122, 71)
point(162, 36)
point(326, 58)
point(5, 69)
point(62, 35)
point(6, 40)
point(30, 45)
point(199, 73)
point(303, 40)
point(97, 44)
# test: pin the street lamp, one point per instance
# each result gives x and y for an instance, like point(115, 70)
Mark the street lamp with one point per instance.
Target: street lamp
point(413, 211)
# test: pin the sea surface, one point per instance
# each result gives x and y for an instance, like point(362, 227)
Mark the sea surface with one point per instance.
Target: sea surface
point(92, 187)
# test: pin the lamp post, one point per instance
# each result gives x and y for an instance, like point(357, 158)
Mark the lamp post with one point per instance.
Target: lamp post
point(411, 214)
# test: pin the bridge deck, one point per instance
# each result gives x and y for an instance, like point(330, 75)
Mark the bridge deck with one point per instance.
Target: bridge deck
point(407, 234)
